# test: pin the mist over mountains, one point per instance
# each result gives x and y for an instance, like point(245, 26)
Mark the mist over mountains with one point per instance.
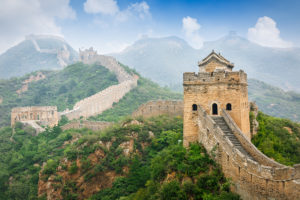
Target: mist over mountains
point(36, 52)
point(165, 59)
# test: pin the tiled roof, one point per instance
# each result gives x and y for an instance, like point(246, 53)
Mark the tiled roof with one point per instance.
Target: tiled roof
point(218, 57)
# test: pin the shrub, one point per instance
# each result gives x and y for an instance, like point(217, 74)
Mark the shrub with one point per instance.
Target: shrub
point(73, 168)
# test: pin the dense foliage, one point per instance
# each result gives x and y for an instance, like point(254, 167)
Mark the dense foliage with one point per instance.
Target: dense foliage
point(21, 158)
point(61, 88)
point(278, 139)
point(159, 168)
point(144, 92)
point(166, 170)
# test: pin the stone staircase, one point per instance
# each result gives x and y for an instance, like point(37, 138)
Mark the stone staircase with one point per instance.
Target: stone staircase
point(229, 134)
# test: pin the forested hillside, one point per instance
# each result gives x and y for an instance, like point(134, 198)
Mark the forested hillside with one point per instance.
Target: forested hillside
point(135, 159)
point(60, 88)
point(274, 101)
point(278, 139)
point(75, 82)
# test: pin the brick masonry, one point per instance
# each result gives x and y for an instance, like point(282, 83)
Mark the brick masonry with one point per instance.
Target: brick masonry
point(160, 107)
point(46, 115)
point(104, 99)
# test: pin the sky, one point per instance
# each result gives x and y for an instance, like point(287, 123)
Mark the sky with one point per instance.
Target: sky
point(112, 25)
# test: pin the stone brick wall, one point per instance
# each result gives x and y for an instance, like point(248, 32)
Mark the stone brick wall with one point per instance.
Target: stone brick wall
point(160, 107)
point(87, 124)
point(46, 115)
point(91, 57)
point(261, 179)
point(220, 88)
point(100, 101)
point(104, 99)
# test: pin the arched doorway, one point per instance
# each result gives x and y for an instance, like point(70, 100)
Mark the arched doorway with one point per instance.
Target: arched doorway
point(215, 109)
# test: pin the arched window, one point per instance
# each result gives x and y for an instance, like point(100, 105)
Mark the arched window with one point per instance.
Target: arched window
point(228, 106)
point(215, 109)
point(194, 107)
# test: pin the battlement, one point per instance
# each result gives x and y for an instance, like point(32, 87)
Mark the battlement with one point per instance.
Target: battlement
point(160, 107)
point(47, 115)
point(215, 77)
point(37, 37)
point(95, 126)
point(261, 178)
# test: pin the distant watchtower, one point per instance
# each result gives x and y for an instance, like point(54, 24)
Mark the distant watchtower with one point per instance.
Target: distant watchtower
point(214, 88)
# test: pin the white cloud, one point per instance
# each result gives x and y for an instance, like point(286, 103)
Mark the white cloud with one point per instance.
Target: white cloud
point(191, 29)
point(142, 9)
point(20, 18)
point(266, 33)
point(108, 7)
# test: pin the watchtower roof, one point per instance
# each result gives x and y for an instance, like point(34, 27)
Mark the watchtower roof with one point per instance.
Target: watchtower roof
point(218, 56)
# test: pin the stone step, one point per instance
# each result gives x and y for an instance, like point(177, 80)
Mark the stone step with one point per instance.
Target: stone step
point(229, 134)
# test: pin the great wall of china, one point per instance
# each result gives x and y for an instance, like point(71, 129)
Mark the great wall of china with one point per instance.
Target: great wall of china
point(254, 175)
point(92, 105)
point(160, 107)
point(62, 55)
point(104, 99)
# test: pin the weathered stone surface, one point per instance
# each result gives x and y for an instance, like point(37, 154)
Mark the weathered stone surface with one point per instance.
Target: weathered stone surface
point(46, 115)
point(96, 126)
point(255, 176)
point(32, 78)
point(261, 178)
point(215, 84)
point(160, 107)
point(104, 99)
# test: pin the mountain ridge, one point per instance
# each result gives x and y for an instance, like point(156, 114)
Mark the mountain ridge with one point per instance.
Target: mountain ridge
point(162, 61)
point(36, 52)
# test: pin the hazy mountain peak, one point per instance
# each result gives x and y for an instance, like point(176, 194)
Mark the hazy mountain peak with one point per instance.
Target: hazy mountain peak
point(36, 52)
point(165, 59)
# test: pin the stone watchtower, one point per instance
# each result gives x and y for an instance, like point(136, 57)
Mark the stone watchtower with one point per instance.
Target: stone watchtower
point(214, 88)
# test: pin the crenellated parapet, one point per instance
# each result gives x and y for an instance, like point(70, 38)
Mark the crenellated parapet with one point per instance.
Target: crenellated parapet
point(90, 56)
point(103, 100)
point(160, 107)
point(257, 177)
point(215, 77)
point(95, 126)
point(46, 115)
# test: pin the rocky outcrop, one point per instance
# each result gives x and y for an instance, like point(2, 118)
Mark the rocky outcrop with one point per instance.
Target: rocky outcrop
point(32, 78)
point(88, 173)
point(253, 122)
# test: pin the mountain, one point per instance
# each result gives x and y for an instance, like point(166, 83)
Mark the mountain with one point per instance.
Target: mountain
point(165, 59)
point(274, 101)
point(36, 52)
point(63, 88)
